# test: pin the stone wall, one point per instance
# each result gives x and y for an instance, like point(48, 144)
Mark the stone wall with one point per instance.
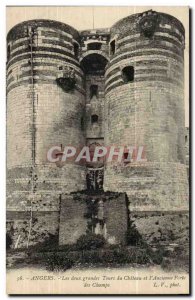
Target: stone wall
point(74, 220)
point(150, 186)
point(42, 113)
point(95, 106)
point(48, 103)
point(116, 211)
point(147, 110)
point(163, 227)
point(40, 225)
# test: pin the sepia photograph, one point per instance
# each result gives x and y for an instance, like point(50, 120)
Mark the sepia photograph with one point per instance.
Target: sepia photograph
point(97, 150)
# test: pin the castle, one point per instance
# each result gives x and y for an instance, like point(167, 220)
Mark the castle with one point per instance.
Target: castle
point(118, 86)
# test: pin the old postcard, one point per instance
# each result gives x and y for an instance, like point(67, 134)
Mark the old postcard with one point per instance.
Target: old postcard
point(98, 150)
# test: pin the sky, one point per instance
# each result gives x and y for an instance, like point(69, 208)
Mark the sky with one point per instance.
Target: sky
point(88, 17)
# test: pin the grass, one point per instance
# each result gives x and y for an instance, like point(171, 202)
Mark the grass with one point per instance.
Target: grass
point(94, 252)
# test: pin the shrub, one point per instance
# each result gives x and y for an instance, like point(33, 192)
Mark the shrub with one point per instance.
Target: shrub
point(56, 262)
point(118, 256)
point(49, 244)
point(166, 264)
point(133, 237)
point(91, 257)
point(67, 248)
point(157, 256)
point(8, 241)
point(90, 242)
point(115, 256)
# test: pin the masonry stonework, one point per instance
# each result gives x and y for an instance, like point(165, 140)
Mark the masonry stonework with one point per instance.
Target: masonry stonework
point(121, 86)
point(148, 111)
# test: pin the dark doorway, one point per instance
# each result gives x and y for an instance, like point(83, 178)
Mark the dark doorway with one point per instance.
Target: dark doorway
point(94, 119)
point(112, 47)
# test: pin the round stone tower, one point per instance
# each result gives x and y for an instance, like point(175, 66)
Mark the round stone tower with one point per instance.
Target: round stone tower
point(145, 108)
point(45, 107)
